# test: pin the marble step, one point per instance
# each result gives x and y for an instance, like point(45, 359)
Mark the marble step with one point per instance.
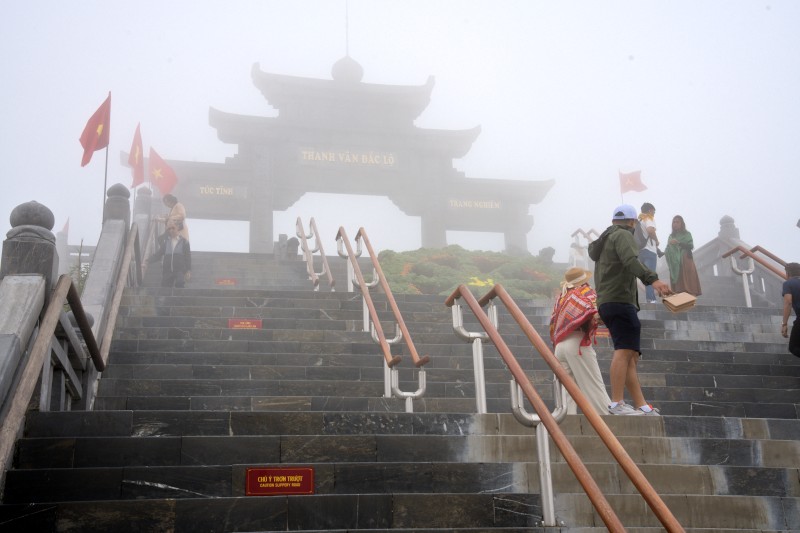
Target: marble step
point(460, 357)
point(231, 423)
point(162, 480)
point(463, 405)
point(511, 513)
point(163, 450)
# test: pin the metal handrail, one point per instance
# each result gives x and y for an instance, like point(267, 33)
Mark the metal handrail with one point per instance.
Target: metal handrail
point(576, 465)
point(586, 234)
point(342, 239)
point(401, 324)
point(64, 291)
point(758, 259)
point(769, 254)
point(308, 253)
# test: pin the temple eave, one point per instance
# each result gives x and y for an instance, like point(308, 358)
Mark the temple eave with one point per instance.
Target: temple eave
point(282, 90)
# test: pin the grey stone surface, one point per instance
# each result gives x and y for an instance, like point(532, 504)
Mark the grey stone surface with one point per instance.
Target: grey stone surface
point(22, 299)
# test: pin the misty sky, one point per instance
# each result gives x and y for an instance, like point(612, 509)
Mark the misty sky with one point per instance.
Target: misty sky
point(701, 96)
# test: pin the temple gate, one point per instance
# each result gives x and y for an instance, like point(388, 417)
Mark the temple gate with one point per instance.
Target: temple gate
point(349, 137)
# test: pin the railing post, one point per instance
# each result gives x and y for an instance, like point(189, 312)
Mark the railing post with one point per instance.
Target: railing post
point(744, 273)
point(476, 339)
point(30, 246)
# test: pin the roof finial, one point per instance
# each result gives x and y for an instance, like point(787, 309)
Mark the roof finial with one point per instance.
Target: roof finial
point(346, 28)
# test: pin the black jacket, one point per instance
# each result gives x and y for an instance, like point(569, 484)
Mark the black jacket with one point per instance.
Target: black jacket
point(178, 260)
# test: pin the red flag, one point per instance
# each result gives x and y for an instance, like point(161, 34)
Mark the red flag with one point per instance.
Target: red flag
point(96, 133)
point(161, 174)
point(65, 229)
point(136, 158)
point(631, 181)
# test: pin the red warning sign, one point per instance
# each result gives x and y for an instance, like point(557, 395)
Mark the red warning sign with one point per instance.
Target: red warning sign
point(272, 481)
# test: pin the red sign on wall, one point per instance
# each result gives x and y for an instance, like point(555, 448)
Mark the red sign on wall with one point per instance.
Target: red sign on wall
point(244, 323)
point(272, 481)
point(225, 281)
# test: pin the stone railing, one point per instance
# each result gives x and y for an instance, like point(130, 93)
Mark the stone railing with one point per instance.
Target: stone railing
point(34, 326)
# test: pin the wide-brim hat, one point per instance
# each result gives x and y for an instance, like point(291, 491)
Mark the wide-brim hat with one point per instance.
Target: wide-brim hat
point(575, 276)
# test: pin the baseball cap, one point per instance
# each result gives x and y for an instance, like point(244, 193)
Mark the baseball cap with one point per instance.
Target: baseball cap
point(624, 212)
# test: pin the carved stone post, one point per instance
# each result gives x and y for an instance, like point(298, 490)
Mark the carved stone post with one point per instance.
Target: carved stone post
point(118, 204)
point(30, 246)
point(143, 213)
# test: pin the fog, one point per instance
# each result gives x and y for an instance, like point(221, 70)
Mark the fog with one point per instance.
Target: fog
point(702, 97)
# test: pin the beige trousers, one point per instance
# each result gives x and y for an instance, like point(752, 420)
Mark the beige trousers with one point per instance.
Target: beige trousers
point(582, 367)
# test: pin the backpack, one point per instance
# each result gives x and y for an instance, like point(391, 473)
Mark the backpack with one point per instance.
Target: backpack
point(596, 246)
point(640, 235)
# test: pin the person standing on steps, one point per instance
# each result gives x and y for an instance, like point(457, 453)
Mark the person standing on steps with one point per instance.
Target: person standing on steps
point(791, 300)
point(616, 270)
point(573, 325)
point(176, 216)
point(649, 254)
point(682, 270)
point(176, 256)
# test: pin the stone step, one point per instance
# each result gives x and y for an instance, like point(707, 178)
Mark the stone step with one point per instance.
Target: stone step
point(395, 513)
point(296, 403)
point(463, 405)
point(162, 480)
point(232, 423)
point(460, 357)
point(162, 450)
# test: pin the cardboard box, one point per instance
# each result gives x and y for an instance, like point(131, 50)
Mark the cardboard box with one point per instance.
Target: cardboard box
point(683, 301)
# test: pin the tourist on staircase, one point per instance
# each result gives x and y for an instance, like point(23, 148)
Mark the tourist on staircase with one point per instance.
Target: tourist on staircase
point(616, 269)
point(682, 270)
point(791, 300)
point(176, 215)
point(573, 325)
point(176, 256)
point(649, 254)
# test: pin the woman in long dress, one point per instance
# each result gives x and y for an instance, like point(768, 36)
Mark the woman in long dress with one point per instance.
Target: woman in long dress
point(682, 270)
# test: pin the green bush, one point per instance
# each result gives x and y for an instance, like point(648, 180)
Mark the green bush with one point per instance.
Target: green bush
point(441, 270)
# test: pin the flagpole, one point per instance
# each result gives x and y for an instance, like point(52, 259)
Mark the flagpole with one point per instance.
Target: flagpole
point(105, 183)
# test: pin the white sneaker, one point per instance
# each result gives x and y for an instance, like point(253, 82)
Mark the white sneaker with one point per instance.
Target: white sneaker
point(652, 301)
point(623, 408)
point(653, 412)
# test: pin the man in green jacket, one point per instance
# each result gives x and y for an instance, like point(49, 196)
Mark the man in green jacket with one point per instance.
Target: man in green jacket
point(615, 274)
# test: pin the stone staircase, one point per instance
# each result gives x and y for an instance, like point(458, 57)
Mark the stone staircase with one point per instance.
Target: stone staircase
point(189, 403)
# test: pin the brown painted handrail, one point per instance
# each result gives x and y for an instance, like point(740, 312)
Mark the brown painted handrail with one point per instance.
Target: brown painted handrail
point(418, 361)
point(588, 483)
point(758, 259)
point(309, 253)
point(64, 292)
point(362, 285)
point(769, 254)
point(579, 469)
point(124, 270)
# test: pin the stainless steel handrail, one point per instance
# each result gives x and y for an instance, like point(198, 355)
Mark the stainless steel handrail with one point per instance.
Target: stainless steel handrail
point(343, 240)
point(594, 493)
point(308, 254)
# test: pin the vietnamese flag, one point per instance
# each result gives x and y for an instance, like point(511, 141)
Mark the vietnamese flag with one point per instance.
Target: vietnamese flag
point(136, 158)
point(96, 133)
point(161, 174)
point(631, 181)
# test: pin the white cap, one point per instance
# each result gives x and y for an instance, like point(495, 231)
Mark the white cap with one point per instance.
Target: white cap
point(624, 212)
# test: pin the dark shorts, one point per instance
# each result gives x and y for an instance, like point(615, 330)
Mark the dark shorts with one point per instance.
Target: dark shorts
point(623, 323)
